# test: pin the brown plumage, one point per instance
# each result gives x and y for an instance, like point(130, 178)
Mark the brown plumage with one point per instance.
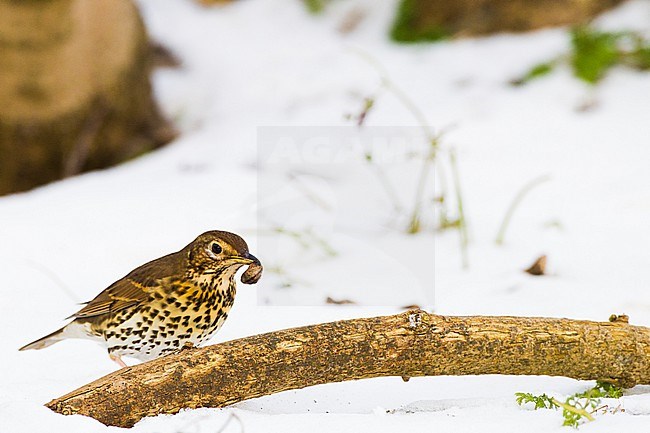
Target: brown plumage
point(180, 298)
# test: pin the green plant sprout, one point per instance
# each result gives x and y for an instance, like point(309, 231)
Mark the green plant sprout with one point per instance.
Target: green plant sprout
point(577, 408)
point(593, 53)
point(287, 279)
point(429, 161)
point(383, 179)
point(542, 401)
point(403, 30)
point(306, 238)
point(515, 203)
point(462, 226)
point(315, 7)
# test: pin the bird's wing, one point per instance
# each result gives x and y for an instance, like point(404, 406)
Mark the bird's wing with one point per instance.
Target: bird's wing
point(131, 290)
point(122, 294)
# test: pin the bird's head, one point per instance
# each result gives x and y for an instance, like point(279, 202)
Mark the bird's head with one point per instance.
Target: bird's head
point(218, 251)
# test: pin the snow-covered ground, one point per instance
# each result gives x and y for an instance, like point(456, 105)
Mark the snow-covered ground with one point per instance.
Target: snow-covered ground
point(257, 76)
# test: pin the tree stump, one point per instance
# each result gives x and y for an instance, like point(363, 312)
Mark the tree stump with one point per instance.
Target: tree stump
point(75, 92)
point(422, 20)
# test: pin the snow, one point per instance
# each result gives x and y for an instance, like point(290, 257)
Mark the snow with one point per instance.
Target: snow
point(257, 70)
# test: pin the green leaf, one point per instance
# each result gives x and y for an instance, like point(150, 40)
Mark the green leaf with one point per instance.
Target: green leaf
point(640, 58)
point(594, 53)
point(314, 6)
point(609, 390)
point(536, 71)
point(540, 401)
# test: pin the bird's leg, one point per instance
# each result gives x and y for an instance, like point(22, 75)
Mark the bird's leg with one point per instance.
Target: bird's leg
point(117, 359)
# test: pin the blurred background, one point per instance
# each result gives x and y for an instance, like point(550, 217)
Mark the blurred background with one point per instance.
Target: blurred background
point(468, 157)
point(398, 153)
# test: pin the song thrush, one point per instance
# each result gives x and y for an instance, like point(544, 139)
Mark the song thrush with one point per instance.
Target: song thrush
point(180, 298)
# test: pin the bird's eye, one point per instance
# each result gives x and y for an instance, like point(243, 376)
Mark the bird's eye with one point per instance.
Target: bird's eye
point(216, 248)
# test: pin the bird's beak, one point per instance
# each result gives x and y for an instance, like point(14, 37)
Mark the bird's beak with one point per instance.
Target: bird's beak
point(251, 258)
point(246, 259)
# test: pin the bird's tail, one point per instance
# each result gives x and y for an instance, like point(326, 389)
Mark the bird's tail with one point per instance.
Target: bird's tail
point(46, 341)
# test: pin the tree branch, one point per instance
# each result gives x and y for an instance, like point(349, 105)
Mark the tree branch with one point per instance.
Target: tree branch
point(410, 344)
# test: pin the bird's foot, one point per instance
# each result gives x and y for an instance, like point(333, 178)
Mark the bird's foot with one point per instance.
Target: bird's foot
point(117, 359)
point(187, 345)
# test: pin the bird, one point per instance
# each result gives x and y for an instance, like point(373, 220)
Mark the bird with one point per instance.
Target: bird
point(158, 308)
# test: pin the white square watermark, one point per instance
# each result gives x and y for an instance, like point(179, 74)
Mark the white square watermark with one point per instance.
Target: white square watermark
point(336, 207)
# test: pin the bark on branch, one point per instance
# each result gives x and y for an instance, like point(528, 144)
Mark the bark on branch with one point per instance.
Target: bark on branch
point(410, 344)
